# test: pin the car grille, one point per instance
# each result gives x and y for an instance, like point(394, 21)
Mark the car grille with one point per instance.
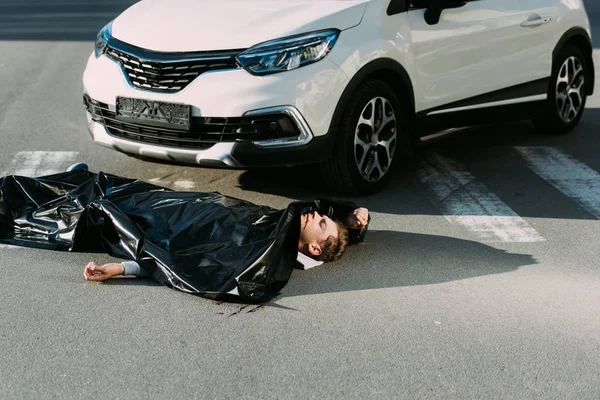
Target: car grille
point(166, 72)
point(203, 134)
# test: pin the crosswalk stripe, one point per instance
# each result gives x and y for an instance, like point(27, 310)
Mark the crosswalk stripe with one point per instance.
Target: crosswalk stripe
point(38, 163)
point(184, 185)
point(467, 202)
point(176, 185)
point(570, 176)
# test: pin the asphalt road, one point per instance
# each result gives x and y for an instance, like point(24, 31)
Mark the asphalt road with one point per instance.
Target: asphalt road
point(428, 307)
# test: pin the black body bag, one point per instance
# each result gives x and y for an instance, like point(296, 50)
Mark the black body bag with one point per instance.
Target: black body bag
point(201, 243)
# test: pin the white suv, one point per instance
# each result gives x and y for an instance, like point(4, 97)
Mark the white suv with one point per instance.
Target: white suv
point(348, 84)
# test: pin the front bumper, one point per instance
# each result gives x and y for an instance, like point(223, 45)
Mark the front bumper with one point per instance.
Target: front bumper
point(308, 96)
point(241, 154)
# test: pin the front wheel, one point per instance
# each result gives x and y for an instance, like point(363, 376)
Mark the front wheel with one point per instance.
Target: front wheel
point(370, 132)
point(566, 94)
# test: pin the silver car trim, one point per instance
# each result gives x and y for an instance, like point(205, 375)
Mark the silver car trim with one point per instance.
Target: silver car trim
point(164, 58)
point(305, 136)
point(169, 57)
point(526, 99)
point(219, 152)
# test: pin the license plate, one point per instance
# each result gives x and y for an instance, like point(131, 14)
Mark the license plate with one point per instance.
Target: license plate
point(155, 113)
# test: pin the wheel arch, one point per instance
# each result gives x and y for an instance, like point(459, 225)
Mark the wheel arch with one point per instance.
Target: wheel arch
point(579, 37)
point(386, 70)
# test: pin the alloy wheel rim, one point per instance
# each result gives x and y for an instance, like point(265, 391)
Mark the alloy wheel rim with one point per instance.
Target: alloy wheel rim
point(569, 89)
point(375, 139)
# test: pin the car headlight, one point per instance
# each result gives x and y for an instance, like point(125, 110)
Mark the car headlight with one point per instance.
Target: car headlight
point(288, 53)
point(102, 39)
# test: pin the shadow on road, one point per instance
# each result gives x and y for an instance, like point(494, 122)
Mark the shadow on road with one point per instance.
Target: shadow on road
point(394, 259)
point(67, 20)
point(487, 152)
point(130, 281)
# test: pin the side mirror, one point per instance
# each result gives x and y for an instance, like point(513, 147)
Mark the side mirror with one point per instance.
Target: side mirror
point(434, 11)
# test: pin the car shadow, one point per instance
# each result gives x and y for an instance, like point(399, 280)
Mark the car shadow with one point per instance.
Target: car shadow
point(487, 152)
point(395, 259)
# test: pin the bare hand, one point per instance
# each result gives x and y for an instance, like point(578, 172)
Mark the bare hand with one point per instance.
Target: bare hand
point(93, 272)
point(359, 218)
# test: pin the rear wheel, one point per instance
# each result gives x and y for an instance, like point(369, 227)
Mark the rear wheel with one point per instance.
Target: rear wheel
point(369, 135)
point(566, 94)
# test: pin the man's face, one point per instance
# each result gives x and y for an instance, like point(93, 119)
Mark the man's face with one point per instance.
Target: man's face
point(315, 229)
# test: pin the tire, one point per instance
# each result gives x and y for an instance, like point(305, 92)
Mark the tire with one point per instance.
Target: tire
point(363, 156)
point(563, 113)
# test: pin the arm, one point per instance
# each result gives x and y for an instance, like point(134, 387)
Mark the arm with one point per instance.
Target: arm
point(358, 224)
point(355, 218)
point(99, 273)
point(133, 268)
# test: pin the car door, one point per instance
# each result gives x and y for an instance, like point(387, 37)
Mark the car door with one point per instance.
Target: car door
point(480, 47)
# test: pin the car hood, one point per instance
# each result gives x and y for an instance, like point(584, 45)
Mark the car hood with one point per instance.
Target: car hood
point(192, 25)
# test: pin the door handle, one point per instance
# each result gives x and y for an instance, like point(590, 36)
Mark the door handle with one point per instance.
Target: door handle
point(536, 22)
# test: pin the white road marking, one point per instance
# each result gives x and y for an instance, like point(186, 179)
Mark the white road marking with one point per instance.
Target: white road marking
point(176, 185)
point(184, 184)
point(570, 176)
point(466, 202)
point(40, 163)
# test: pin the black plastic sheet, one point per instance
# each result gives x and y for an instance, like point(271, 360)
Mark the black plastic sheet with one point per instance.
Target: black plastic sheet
point(201, 243)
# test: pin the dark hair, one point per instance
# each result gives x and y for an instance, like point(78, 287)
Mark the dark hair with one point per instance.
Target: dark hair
point(333, 248)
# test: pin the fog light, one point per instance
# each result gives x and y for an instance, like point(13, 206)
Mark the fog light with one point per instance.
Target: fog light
point(274, 127)
point(267, 128)
point(294, 131)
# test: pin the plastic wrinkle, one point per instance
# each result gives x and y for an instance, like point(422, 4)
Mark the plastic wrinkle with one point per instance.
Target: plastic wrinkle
point(201, 243)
